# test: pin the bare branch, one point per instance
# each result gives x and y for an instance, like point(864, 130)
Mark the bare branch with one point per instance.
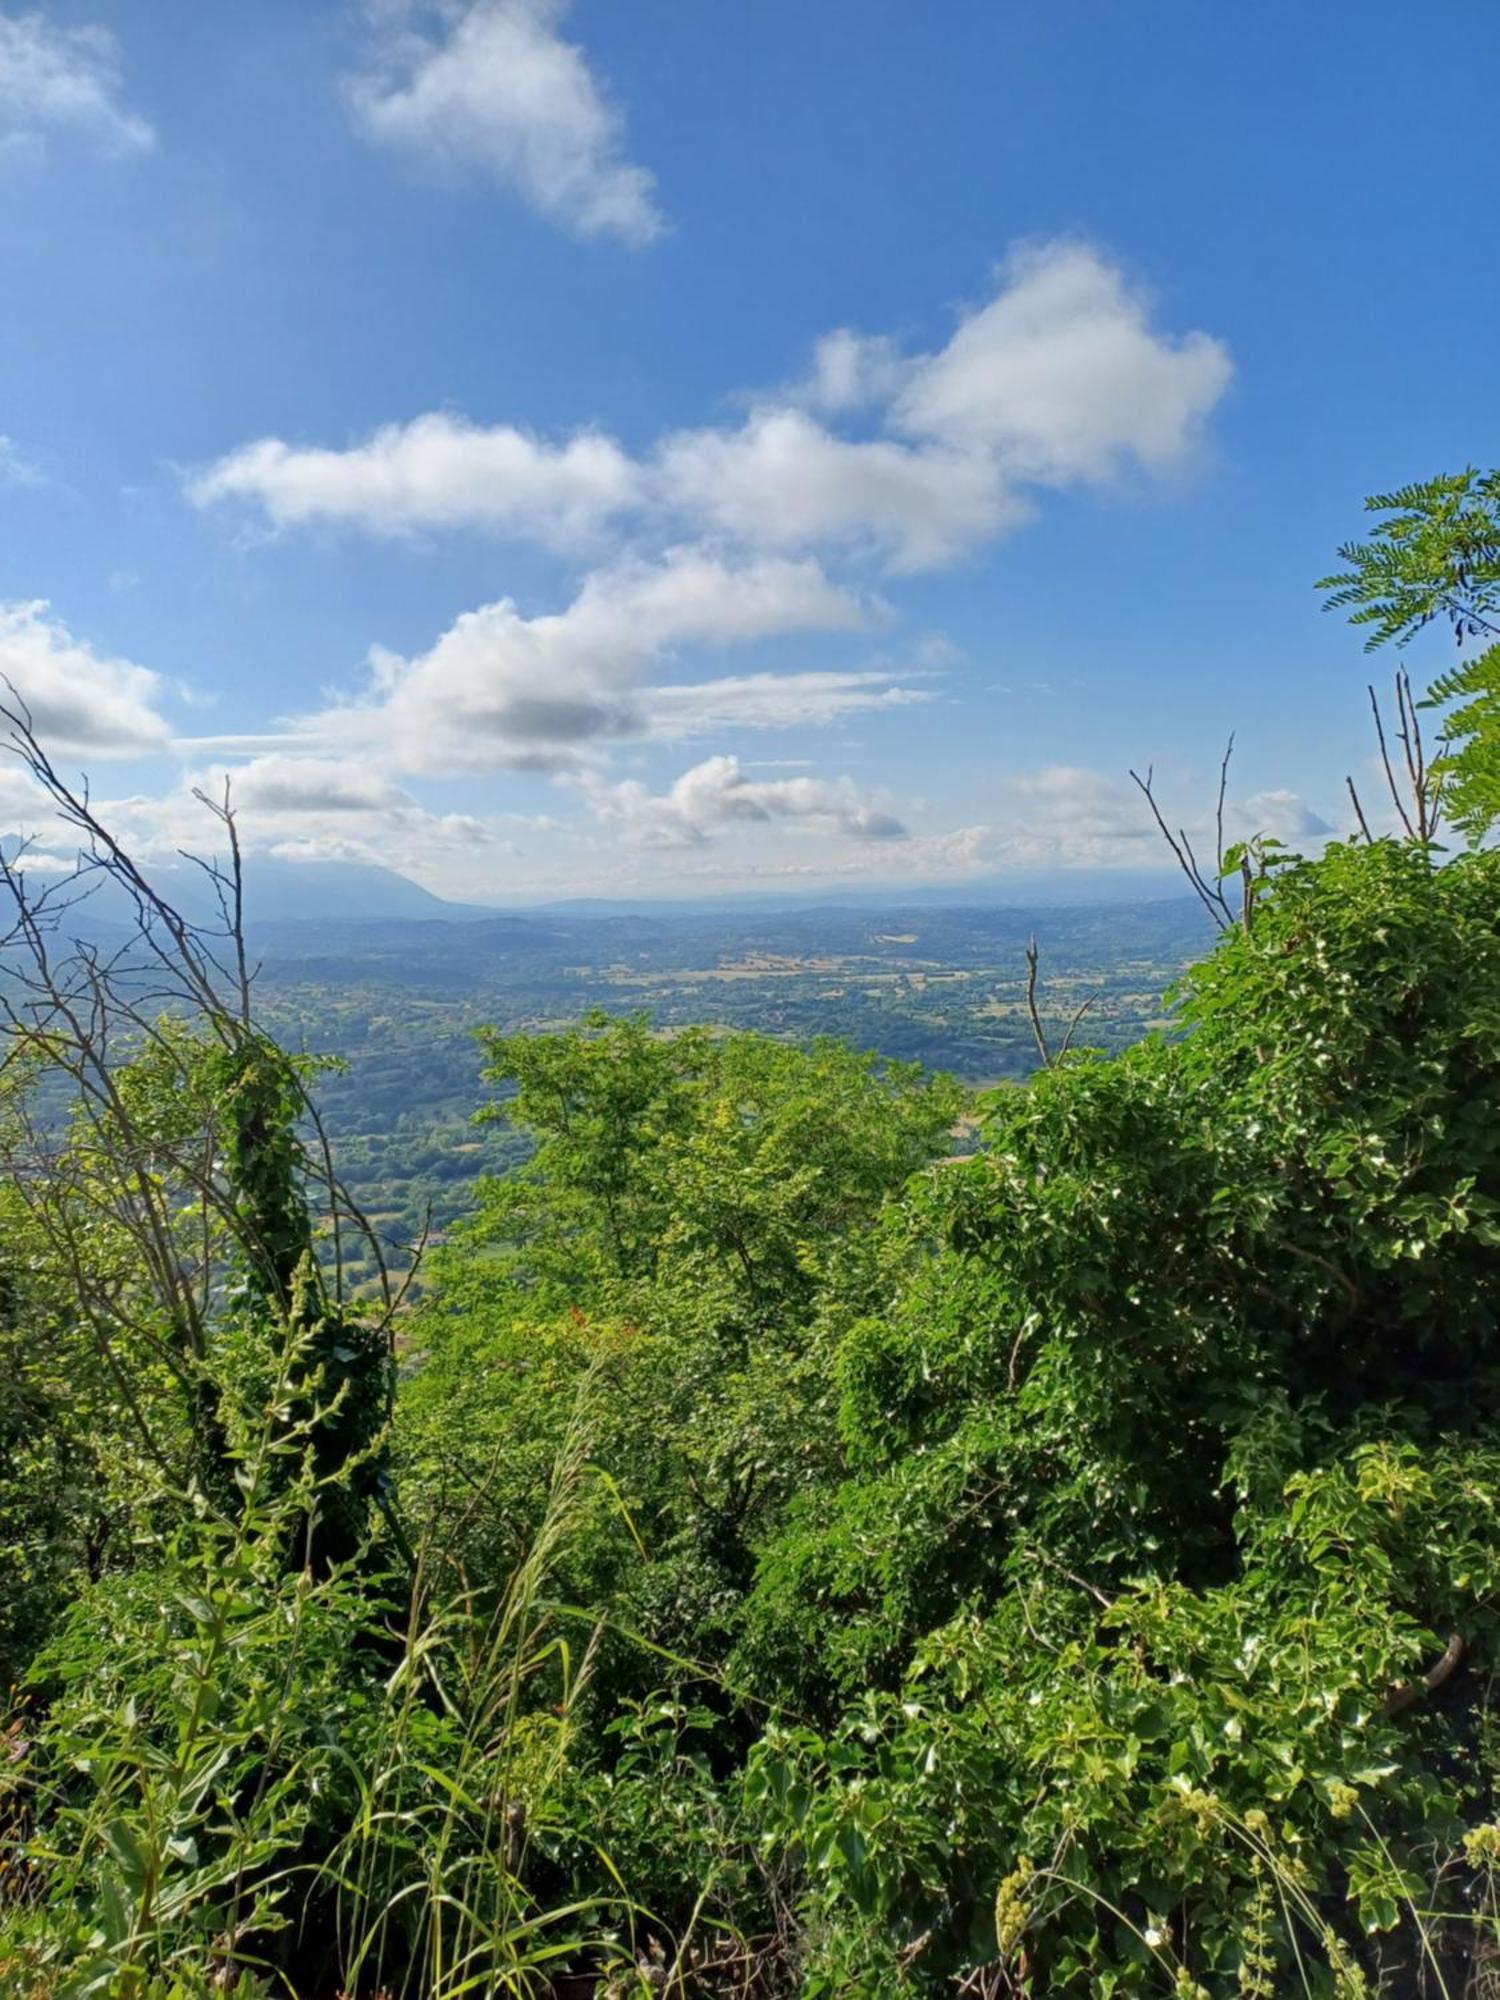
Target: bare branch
point(1031, 1007)
point(1385, 758)
point(1359, 812)
point(1219, 808)
point(1210, 895)
point(1078, 1014)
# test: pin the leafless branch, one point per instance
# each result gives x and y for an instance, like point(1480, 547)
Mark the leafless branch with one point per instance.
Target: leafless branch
point(1209, 894)
point(1031, 1007)
point(1385, 758)
point(1359, 811)
point(1219, 808)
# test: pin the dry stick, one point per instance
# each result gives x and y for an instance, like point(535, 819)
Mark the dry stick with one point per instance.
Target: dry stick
point(1428, 793)
point(1031, 1006)
point(1410, 732)
point(1211, 899)
point(1067, 1040)
point(1409, 735)
point(190, 958)
point(91, 1072)
point(225, 815)
point(1385, 758)
point(1219, 810)
point(108, 857)
point(1359, 812)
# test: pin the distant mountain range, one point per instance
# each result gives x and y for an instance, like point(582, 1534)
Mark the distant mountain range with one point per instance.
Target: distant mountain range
point(352, 892)
point(347, 891)
point(278, 892)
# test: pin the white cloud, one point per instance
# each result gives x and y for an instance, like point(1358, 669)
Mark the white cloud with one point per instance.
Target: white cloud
point(81, 702)
point(24, 806)
point(64, 80)
point(499, 690)
point(279, 784)
point(1285, 815)
point(771, 701)
point(852, 371)
point(1059, 380)
point(437, 471)
point(783, 481)
point(490, 86)
point(1067, 817)
point(1078, 818)
point(1062, 377)
point(716, 795)
point(303, 809)
point(898, 460)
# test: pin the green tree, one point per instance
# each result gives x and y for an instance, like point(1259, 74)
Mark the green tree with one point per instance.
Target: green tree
point(696, 1219)
point(1435, 557)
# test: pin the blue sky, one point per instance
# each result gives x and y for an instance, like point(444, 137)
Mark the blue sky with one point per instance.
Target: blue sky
point(691, 445)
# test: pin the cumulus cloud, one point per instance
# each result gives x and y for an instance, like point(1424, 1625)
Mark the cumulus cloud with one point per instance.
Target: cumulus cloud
point(303, 808)
point(81, 702)
point(1058, 380)
point(56, 80)
point(500, 690)
point(882, 457)
point(1285, 815)
point(437, 471)
point(491, 87)
point(276, 784)
point(717, 794)
point(783, 481)
point(1062, 377)
point(24, 806)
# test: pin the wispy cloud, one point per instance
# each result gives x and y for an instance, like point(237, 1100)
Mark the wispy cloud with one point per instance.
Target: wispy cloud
point(491, 88)
point(57, 81)
point(16, 470)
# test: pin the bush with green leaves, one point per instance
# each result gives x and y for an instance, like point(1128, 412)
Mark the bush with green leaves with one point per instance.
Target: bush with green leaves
point(1167, 1464)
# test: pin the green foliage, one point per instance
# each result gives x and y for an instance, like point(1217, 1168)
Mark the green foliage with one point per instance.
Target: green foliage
point(1469, 767)
point(1436, 555)
point(235, 1773)
point(1139, 1779)
point(1261, 1261)
point(694, 1221)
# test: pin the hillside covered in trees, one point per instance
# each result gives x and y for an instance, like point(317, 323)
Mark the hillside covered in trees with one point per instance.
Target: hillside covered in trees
point(779, 1552)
